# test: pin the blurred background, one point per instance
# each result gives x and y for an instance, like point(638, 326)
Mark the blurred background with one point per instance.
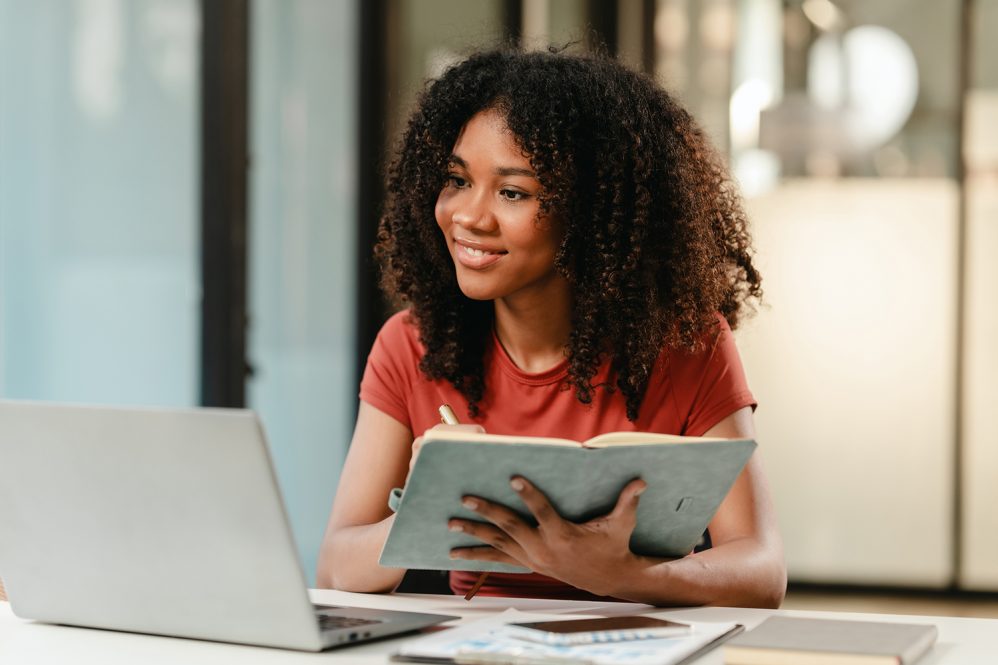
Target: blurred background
point(189, 193)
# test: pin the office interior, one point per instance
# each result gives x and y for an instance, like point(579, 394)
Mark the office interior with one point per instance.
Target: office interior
point(189, 194)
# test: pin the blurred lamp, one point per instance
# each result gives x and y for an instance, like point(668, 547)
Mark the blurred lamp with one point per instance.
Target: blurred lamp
point(862, 88)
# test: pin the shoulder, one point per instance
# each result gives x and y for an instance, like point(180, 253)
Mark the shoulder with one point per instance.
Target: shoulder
point(686, 367)
point(397, 344)
point(716, 354)
point(393, 367)
point(709, 383)
point(401, 333)
point(716, 339)
point(399, 323)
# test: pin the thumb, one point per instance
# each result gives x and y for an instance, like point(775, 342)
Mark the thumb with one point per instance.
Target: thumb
point(626, 511)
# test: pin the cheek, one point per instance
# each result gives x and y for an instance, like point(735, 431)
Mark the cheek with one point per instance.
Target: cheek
point(537, 236)
point(442, 214)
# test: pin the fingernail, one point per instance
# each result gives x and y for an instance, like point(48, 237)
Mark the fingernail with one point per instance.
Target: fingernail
point(452, 555)
point(641, 491)
point(470, 504)
point(517, 484)
point(455, 527)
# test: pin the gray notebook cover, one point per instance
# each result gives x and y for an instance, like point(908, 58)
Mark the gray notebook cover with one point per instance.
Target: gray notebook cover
point(898, 642)
point(686, 484)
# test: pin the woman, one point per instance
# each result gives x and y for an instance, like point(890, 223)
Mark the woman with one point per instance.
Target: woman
point(573, 257)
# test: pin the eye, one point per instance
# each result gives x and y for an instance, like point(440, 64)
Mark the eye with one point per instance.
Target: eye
point(456, 181)
point(513, 195)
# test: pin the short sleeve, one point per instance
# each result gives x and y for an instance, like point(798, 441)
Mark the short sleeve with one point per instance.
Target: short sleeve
point(711, 385)
point(391, 365)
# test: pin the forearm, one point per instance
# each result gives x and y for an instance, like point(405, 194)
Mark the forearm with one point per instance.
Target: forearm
point(739, 573)
point(348, 560)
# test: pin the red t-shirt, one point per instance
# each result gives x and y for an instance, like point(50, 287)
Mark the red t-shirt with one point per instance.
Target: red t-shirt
point(688, 393)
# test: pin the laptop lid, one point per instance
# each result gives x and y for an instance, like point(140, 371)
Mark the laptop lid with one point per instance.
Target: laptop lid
point(150, 520)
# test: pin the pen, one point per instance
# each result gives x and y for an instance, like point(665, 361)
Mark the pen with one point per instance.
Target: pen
point(447, 417)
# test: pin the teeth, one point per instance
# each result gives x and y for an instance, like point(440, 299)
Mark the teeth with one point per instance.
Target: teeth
point(475, 252)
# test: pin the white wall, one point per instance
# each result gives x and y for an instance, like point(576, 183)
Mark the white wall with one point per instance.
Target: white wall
point(980, 433)
point(853, 363)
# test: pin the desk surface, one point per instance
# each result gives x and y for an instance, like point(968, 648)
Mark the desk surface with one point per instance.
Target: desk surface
point(961, 641)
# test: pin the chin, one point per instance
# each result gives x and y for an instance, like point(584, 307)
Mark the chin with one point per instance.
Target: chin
point(477, 288)
point(477, 292)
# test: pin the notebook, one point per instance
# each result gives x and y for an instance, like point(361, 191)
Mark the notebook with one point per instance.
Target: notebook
point(687, 478)
point(798, 641)
point(159, 521)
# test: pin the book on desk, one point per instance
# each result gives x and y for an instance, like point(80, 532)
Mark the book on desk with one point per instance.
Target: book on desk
point(799, 641)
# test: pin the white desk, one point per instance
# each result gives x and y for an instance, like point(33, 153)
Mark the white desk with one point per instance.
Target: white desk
point(961, 641)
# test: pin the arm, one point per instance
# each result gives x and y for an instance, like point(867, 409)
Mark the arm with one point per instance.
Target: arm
point(743, 568)
point(377, 461)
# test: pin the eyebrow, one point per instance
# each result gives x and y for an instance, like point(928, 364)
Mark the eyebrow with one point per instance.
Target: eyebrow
point(501, 170)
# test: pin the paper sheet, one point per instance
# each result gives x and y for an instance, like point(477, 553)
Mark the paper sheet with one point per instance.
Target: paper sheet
point(486, 641)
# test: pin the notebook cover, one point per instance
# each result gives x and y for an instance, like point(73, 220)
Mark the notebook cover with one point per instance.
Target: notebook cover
point(686, 484)
point(789, 639)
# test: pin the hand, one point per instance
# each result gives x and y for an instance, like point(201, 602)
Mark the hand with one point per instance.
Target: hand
point(418, 442)
point(589, 556)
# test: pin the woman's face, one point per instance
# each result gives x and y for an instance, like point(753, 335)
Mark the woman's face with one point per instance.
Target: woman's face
point(488, 213)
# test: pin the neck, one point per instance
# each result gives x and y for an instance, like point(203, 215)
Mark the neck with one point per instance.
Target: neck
point(535, 331)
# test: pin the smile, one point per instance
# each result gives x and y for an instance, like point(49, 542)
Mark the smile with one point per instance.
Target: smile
point(476, 252)
point(475, 258)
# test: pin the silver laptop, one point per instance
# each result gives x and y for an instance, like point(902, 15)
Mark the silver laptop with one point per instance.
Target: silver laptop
point(159, 521)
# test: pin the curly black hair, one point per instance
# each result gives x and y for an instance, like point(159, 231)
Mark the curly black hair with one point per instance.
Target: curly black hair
point(655, 243)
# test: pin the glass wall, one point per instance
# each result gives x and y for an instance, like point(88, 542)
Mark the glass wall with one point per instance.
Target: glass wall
point(99, 273)
point(694, 41)
point(424, 38)
point(302, 258)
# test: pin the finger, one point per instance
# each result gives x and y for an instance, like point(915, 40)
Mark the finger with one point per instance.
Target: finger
point(416, 445)
point(626, 510)
point(504, 518)
point(484, 553)
point(537, 502)
point(490, 535)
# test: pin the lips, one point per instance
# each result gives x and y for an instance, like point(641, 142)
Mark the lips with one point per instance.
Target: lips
point(476, 257)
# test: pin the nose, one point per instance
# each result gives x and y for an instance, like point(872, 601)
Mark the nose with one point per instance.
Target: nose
point(472, 211)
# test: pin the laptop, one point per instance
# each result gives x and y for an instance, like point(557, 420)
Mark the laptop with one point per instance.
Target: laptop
point(159, 521)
